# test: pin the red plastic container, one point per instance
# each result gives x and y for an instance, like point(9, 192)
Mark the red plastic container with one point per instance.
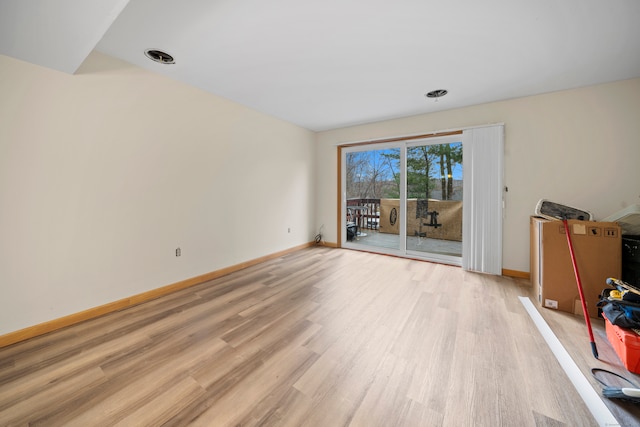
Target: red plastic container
point(626, 343)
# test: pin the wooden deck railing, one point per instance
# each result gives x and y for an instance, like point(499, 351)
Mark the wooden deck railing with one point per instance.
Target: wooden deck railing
point(364, 212)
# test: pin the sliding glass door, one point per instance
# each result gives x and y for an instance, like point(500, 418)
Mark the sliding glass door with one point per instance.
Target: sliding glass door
point(434, 198)
point(371, 179)
point(405, 198)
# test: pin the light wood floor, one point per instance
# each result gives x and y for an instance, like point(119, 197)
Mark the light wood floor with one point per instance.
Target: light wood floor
point(320, 337)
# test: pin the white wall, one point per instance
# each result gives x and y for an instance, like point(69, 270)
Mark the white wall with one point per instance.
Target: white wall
point(105, 173)
point(579, 147)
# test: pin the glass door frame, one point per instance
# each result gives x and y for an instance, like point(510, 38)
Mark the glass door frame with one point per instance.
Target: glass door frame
point(402, 144)
point(343, 197)
point(429, 256)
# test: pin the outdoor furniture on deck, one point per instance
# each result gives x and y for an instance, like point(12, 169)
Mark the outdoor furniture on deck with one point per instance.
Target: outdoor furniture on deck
point(355, 216)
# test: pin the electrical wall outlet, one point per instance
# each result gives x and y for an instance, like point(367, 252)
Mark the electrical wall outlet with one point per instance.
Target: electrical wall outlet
point(611, 232)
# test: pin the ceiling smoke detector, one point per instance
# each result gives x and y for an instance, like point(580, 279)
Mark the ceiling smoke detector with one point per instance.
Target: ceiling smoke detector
point(438, 93)
point(159, 56)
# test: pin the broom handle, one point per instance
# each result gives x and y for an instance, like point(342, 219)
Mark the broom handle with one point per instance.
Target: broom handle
point(582, 299)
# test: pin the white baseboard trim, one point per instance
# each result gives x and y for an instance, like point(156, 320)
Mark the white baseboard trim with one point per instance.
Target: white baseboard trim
point(598, 409)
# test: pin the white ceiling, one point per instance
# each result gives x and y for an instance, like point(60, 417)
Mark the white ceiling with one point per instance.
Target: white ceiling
point(325, 64)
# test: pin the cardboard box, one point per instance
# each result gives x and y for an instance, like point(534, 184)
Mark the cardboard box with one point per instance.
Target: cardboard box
point(597, 247)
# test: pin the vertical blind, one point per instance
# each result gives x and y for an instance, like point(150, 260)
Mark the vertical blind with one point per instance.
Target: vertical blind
point(483, 158)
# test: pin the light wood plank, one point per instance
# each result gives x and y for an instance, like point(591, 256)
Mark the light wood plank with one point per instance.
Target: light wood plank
point(315, 337)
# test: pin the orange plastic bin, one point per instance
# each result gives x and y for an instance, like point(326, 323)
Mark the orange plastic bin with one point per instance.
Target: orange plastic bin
point(626, 343)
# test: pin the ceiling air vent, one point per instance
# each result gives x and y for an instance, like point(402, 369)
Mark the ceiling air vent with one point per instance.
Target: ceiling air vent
point(159, 56)
point(439, 93)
